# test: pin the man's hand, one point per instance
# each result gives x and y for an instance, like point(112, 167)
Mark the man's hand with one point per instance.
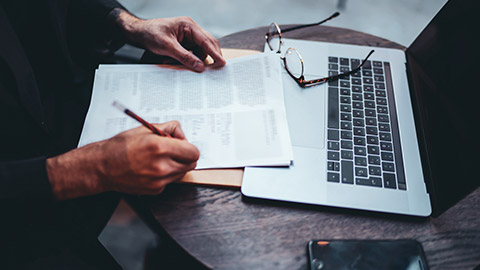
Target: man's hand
point(135, 162)
point(173, 37)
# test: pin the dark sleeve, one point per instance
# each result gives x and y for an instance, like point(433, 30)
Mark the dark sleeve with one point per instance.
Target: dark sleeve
point(91, 28)
point(25, 179)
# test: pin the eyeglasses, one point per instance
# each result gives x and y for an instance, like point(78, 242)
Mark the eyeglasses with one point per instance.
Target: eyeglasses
point(293, 61)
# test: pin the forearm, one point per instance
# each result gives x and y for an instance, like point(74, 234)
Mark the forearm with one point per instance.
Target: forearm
point(127, 25)
point(76, 173)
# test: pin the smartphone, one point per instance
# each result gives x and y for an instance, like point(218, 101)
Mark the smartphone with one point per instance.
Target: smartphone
point(366, 254)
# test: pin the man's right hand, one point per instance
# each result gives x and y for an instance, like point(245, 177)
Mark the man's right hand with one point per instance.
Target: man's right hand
point(134, 162)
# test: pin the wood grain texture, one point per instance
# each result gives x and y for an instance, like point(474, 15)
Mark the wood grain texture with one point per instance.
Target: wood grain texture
point(225, 230)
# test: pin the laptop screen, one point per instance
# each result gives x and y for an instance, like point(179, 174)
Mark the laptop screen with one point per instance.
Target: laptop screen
point(443, 67)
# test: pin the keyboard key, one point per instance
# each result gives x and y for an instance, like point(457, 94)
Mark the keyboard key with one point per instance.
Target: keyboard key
point(368, 88)
point(346, 116)
point(356, 81)
point(333, 121)
point(345, 108)
point(369, 96)
point(347, 171)
point(389, 180)
point(377, 64)
point(372, 130)
point(372, 181)
point(332, 66)
point(361, 161)
point(378, 71)
point(333, 145)
point(358, 131)
point(360, 150)
point(346, 125)
point(345, 91)
point(333, 155)
point(346, 135)
point(359, 140)
point(358, 122)
point(370, 112)
point(347, 154)
point(374, 170)
point(361, 172)
point(345, 99)
point(367, 72)
point(333, 134)
point(332, 73)
point(367, 80)
point(354, 63)
point(373, 160)
point(388, 156)
point(384, 127)
point(383, 118)
point(333, 166)
point(379, 85)
point(386, 146)
point(382, 109)
point(358, 113)
point(373, 150)
point(357, 89)
point(371, 121)
point(380, 93)
point(382, 101)
point(333, 177)
point(347, 144)
point(344, 69)
point(384, 136)
point(369, 104)
point(379, 78)
point(357, 105)
point(372, 140)
point(344, 61)
point(344, 84)
point(333, 83)
point(332, 59)
point(357, 96)
point(388, 166)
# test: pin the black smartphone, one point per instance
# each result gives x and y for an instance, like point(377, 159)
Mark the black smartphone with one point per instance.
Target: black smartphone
point(366, 254)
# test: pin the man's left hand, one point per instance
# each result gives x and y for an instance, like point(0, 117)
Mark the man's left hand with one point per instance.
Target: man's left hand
point(180, 38)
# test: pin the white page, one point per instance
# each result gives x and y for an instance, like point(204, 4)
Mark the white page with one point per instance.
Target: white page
point(234, 115)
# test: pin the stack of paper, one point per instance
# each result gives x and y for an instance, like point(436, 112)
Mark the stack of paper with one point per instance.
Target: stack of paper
point(234, 115)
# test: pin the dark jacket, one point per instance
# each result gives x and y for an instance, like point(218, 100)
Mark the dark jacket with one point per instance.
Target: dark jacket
point(48, 50)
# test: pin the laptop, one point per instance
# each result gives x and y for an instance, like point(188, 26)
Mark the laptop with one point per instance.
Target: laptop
point(397, 137)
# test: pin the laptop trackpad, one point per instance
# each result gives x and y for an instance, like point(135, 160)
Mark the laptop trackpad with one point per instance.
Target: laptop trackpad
point(305, 113)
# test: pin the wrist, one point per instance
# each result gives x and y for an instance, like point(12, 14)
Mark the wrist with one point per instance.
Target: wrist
point(76, 173)
point(128, 24)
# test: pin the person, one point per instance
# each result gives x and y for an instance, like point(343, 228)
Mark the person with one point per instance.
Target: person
point(56, 198)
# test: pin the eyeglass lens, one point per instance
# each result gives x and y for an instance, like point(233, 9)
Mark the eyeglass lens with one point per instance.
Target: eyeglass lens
point(293, 63)
point(273, 37)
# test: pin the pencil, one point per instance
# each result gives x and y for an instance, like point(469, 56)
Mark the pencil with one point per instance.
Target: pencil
point(139, 119)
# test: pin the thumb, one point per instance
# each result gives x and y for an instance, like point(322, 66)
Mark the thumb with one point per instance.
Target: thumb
point(186, 58)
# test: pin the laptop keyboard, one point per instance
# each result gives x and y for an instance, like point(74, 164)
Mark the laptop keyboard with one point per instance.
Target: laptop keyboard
point(363, 140)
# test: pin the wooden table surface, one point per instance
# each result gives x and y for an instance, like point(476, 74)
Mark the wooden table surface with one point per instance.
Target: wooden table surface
point(224, 230)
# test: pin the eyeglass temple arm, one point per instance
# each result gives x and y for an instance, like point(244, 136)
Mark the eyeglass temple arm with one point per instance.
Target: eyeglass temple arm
point(304, 83)
point(311, 24)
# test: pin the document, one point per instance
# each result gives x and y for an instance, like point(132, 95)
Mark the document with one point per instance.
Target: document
point(235, 115)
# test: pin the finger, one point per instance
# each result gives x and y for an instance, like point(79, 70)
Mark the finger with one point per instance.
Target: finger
point(185, 57)
point(173, 128)
point(178, 150)
point(208, 43)
point(157, 186)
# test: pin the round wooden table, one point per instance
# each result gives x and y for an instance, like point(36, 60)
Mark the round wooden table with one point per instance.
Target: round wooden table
point(224, 230)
